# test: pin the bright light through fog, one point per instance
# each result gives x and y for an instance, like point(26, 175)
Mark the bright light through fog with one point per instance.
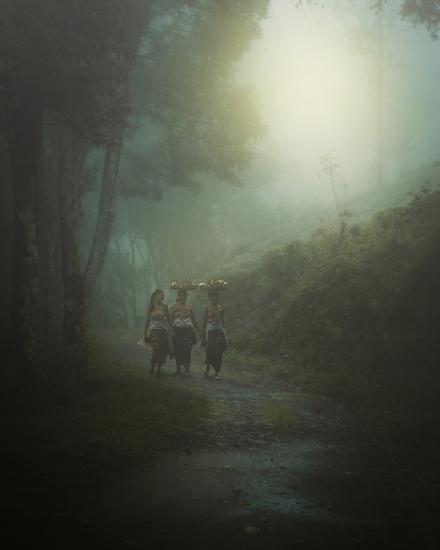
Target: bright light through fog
point(315, 85)
point(315, 92)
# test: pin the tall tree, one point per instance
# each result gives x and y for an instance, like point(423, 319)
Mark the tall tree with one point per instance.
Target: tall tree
point(71, 60)
point(72, 63)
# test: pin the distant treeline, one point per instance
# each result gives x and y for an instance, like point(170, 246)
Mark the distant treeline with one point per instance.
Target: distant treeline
point(353, 312)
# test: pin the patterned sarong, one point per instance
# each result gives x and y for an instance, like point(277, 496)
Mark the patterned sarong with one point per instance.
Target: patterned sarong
point(184, 339)
point(216, 346)
point(158, 339)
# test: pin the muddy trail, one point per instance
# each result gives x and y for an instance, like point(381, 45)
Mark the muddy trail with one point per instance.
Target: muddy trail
point(267, 466)
point(270, 467)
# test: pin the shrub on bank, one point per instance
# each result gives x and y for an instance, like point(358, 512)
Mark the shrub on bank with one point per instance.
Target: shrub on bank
point(355, 309)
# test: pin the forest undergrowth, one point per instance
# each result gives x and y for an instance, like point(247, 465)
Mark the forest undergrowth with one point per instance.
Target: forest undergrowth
point(353, 313)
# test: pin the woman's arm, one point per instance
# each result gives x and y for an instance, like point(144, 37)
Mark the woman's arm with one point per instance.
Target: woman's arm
point(171, 313)
point(147, 323)
point(205, 322)
point(194, 322)
point(167, 314)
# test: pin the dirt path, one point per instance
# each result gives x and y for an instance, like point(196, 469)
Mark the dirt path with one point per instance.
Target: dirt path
point(268, 469)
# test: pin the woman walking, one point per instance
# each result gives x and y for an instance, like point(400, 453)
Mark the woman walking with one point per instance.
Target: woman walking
point(214, 336)
point(157, 327)
point(183, 325)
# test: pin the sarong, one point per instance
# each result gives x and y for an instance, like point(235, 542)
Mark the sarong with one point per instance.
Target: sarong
point(184, 339)
point(216, 346)
point(158, 339)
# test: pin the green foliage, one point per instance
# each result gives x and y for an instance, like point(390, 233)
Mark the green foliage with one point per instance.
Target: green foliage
point(77, 56)
point(359, 311)
point(424, 12)
point(191, 118)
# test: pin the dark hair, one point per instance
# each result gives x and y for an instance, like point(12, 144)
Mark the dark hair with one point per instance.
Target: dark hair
point(182, 292)
point(213, 293)
point(153, 297)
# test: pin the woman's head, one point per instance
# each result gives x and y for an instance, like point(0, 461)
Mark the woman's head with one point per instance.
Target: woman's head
point(182, 295)
point(157, 297)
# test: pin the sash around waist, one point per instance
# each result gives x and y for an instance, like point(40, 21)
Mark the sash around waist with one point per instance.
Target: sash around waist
point(156, 324)
point(214, 325)
point(182, 323)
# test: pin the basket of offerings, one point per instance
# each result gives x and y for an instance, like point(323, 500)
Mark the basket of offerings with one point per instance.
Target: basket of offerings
point(183, 284)
point(214, 284)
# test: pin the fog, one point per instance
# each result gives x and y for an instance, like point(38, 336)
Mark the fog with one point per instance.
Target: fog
point(335, 84)
point(239, 139)
point(329, 80)
point(278, 159)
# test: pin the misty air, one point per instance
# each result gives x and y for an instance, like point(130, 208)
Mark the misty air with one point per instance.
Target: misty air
point(220, 281)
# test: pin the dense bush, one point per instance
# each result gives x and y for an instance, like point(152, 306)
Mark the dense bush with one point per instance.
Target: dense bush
point(356, 309)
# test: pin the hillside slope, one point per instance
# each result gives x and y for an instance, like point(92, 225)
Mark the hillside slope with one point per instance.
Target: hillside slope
point(353, 312)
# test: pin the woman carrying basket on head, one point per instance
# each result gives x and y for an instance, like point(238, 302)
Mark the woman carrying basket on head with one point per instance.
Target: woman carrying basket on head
point(183, 325)
point(214, 336)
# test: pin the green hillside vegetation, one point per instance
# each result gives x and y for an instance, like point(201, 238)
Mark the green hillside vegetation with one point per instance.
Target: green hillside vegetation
point(353, 312)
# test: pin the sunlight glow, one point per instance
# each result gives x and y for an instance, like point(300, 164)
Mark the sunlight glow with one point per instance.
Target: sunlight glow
point(315, 93)
point(315, 74)
point(310, 78)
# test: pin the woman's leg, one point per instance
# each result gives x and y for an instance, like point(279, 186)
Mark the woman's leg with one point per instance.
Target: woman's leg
point(209, 353)
point(206, 371)
point(158, 368)
point(163, 350)
point(218, 366)
point(207, 356)
point(216, 350)
point(190, 339)
point(159, 344)
point(177, 349)
point(153, 363)
point(177, 360)
point(187, 361)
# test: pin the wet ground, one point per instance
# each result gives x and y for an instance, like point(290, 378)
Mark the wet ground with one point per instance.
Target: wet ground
point(270, 468)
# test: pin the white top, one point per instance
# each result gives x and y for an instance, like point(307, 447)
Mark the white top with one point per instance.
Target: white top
point(182, 322)
point(159, 324)
point(214, 325)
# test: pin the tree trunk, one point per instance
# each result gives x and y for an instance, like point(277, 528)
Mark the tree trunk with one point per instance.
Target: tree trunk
point(106, 214)
point(79, 285)
point(7, 248)
point(122, 284)
point(25, 115)
point(71, 154)
point(133, 278)
point(146, 269)
point(50, 247)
